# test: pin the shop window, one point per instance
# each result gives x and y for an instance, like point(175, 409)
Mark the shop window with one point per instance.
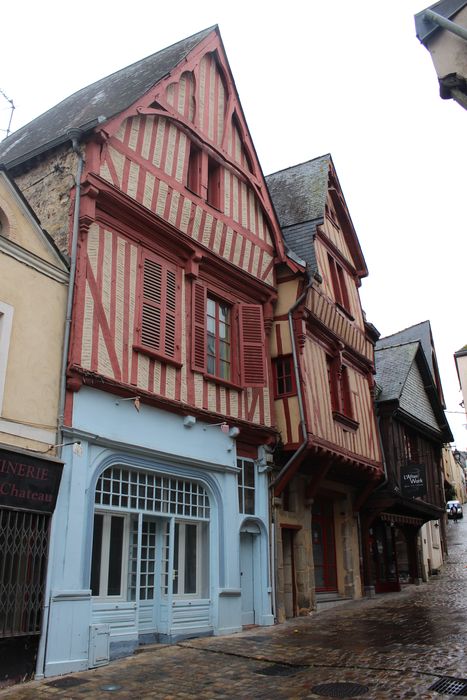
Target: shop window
point(109, 555)
point(228, 339)
point(339, 284)
point(246, 486)
point(158, 330)
point(284, 377)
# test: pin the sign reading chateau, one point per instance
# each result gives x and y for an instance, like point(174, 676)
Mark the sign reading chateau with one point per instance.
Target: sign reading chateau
point(28, 483)
point(413, 480)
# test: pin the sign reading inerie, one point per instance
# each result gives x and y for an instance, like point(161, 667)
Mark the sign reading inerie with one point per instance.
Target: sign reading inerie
point(28, 483)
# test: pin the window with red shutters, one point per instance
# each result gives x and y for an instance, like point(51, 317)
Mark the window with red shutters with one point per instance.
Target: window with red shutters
point(227, 339)
point(194, 169)
point(214, 184)
point(158, 332)
point(252, 346)
point(339, 389)
point(339, 284)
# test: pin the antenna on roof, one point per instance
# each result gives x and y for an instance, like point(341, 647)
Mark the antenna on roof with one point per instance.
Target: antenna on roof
point(12, 107)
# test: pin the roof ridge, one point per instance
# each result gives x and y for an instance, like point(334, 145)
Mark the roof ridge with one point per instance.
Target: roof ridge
point(305, 162)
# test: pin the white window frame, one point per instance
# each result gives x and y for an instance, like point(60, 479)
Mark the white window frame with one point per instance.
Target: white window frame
point(105, 554)
point(6, 323)
point(181, 558)
point(242, 488)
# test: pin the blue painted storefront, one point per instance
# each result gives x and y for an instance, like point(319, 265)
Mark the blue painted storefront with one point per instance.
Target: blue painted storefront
point(146, 535)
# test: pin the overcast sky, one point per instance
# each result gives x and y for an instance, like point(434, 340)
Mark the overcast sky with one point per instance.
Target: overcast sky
point(349, 78)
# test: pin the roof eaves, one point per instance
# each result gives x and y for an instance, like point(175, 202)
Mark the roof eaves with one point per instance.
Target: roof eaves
point(426, 28)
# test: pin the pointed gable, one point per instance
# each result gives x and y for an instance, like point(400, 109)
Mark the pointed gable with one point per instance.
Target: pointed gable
point(302, 195)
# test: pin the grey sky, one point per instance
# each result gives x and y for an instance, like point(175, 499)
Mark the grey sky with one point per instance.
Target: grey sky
point(313, 77)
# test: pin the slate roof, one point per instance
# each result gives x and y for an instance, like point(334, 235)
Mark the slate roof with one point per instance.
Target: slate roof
point(95, 103)
point(392, 368)
point(299, 197)
point(425, 28)
point(420, 331)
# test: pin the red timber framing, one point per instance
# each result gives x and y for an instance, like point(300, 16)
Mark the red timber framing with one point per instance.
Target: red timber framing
point(161, 233)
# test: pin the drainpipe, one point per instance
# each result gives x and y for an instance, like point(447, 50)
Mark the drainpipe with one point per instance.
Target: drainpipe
point(446, 24)
point(74, 135)
point(299, 387)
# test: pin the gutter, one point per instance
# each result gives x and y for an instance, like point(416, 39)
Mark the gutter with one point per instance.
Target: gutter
point(74, 135)
point(446, 24)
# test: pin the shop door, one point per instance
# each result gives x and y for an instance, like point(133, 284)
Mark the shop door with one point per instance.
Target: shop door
point(247, 578)
point(384, 558)
point(23, 558)
point(288, 559)
point(324, 546)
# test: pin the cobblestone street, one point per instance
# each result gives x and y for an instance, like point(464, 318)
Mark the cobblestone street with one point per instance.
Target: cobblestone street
point(396, 646)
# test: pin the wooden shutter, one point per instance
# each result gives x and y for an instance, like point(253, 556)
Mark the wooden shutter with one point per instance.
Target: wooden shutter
point(160, 297)
point(198, 349)
point(252, 346)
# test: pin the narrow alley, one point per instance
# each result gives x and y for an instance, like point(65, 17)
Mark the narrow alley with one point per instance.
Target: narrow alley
point(399, 645)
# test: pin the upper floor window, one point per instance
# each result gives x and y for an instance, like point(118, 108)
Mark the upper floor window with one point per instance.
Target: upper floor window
point(339, 389)
point(158, 330)
point(284, 377)
point(6, 321)
point(219, 356)
point(227, 339)
point(411, 446)
point(194, 169)
point(339, 284)
point(246, 486)
point(214, 184)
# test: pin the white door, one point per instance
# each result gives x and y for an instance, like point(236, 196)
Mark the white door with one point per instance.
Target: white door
point(247, 580)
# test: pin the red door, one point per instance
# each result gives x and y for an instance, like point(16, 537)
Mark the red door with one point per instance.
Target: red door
point(324, 546)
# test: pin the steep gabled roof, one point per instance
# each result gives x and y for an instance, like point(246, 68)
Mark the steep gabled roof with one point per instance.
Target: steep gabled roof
point(394, 366)
point(96, 103)
point(299, 196)
point(426, 28)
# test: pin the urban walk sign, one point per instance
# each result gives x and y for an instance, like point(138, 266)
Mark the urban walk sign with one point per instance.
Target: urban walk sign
point(413, 480)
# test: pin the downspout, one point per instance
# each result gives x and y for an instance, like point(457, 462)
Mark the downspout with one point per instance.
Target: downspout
point(304, 444)
point(74, 135)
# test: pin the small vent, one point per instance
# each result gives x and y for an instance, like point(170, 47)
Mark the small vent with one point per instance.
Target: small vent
point(340, 690)
point(451, 686)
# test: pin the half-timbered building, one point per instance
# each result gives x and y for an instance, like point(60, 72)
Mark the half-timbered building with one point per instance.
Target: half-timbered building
point(323, 366)
point(403, 522)
point(149, 179)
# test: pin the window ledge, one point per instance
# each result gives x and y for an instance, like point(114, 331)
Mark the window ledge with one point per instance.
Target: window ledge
point(345, 421)
point(223, 382)
point(346, 313)
point(157, 355)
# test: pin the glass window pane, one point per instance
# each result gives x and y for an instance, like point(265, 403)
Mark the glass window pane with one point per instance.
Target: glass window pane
point(190, 558)
point(249, 501)
point(175, 569)
point(224, 350)
point(249, 473)
point(211, 307)
point(115, 556)
point(211, 365)
point(96, 553)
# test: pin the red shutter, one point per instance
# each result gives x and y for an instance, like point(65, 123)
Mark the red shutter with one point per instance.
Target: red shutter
point(160, 299)
point(252, 346)
point(198, 349)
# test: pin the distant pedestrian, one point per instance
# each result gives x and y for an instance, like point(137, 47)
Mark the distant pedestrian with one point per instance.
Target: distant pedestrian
point(454, 513)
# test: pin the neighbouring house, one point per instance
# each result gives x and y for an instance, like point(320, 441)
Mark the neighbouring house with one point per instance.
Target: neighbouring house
point(460, 359)
point(150, 179)
point(442, 29)
point(454, 475)
point(403, 522)
point(329, 458)
point(33, 295)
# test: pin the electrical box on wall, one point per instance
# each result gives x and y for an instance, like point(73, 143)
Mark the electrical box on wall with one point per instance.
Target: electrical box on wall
point(99, 644)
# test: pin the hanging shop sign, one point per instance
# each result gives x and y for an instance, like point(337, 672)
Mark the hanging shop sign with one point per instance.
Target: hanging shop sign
point(27, 482)
point(413, 480)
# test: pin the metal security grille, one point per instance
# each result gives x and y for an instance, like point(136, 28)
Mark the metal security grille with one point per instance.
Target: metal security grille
point(23, 559)
point(450, 686)
point(150, 493)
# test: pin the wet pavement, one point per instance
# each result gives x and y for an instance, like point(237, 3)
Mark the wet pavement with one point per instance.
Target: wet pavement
point(393, 646)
